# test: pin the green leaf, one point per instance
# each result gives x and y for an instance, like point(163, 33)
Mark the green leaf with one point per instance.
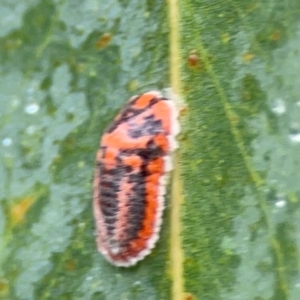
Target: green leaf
point(231, 227)
point(240, 153)
point(66, 69)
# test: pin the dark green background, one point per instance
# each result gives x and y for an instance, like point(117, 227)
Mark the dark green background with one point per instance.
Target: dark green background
point(241, 154)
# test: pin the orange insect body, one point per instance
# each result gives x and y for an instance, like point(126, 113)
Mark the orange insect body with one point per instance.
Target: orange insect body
point(132, 165)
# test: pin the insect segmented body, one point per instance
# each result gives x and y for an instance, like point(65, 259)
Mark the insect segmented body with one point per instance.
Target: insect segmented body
point(132, 165)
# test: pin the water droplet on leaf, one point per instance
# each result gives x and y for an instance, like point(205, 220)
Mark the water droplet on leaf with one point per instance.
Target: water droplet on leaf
point(32, 108)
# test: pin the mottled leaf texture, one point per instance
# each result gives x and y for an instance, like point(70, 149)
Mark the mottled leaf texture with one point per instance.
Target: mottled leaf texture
point(68, 66)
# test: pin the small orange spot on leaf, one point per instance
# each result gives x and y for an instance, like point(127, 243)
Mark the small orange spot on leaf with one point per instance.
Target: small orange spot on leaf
point(18, 211)
point(188, 296)
point(193, 59)
point(183, 110)
point(103, 41)
point(275, 36)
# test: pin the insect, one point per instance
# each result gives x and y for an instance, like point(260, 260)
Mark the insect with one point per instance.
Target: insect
point(132, 166)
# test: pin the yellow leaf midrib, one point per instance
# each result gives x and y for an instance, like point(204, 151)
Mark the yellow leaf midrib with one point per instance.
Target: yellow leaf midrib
point(176, 251)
